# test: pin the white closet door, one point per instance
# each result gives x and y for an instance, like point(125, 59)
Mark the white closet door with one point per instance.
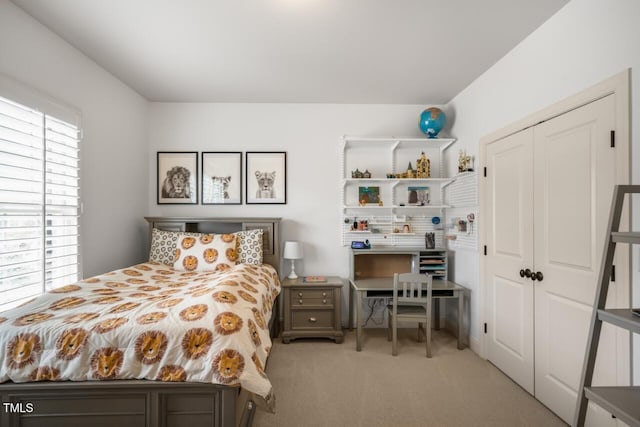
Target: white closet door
point(574, 175)
point(510, 249)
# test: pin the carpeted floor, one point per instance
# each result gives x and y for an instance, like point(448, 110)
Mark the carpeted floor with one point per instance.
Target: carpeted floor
point(320, 383)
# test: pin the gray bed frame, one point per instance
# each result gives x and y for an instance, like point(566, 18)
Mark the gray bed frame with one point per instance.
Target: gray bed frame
point(144, 403)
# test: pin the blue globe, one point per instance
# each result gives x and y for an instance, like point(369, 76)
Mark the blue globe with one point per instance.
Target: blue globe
point(432, 121)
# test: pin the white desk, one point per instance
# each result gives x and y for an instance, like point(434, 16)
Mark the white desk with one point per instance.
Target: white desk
point(383, 287)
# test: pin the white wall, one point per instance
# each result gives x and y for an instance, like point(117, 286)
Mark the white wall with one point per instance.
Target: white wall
point(584, 43)
point(114, 154)
point(311, 135)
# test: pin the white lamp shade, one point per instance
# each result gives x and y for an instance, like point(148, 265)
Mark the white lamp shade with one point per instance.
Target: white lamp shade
point(292, 250)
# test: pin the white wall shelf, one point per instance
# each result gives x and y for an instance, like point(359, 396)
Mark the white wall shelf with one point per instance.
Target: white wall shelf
point(399, 180)
point(395, 207)
point(462, 197)
point(381, 156)
point(395, 142)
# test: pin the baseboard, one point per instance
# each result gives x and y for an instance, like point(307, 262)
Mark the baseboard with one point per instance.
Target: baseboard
point(474, 344)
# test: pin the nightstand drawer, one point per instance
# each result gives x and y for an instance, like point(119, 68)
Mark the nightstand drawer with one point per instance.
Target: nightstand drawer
point(312, 310)
point(312, 319)
point(317, 297)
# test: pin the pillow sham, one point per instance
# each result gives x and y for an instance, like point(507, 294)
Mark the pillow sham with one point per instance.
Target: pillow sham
point(250, 246)
point(206, 252)
point(163, 245)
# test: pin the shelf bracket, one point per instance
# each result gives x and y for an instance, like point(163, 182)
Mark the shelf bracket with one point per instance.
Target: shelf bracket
point(448, 183)
point(446, 145)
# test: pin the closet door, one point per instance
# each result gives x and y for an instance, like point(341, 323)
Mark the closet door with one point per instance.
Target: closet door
point(574, 175)
point(510, 250)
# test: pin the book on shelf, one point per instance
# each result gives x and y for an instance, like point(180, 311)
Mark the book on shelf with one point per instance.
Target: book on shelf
point(314, 279)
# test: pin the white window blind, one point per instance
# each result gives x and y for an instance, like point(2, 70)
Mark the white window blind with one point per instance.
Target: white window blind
point(39, 203)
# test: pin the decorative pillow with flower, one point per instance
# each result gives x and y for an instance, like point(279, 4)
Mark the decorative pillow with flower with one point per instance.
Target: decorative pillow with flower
point(206, 252)
point(250, 246)
point(163, 245)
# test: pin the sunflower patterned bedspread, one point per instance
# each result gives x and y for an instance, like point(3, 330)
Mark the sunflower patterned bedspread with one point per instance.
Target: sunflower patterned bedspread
point(146, 322)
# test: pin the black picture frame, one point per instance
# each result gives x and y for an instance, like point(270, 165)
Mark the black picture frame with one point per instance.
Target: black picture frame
point(221, 182)
point(266, 177)
point(173, 188)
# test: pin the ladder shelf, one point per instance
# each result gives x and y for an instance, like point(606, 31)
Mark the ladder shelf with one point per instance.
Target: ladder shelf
point(626, 237)
point(621, 317)
point(620, 401)
point(623, 402)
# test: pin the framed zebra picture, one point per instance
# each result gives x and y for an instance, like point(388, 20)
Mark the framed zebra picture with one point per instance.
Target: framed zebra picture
point(221, 178)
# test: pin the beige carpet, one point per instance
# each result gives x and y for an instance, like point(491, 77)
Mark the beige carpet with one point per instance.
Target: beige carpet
point(320, 383)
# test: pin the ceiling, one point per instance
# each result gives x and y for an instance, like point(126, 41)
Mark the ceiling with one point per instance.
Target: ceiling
point(294, 51)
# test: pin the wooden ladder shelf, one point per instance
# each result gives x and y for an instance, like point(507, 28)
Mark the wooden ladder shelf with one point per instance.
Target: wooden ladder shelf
point(622, 402)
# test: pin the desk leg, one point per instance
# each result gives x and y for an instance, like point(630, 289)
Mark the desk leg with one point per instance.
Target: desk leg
point(358, 320)
point(350, 305)
point(436, 314)
point(460, 319)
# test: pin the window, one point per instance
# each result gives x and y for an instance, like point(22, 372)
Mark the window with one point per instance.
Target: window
point(39, 203)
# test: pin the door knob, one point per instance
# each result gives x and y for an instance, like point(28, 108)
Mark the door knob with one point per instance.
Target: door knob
point(537, 276)
point(525, 273)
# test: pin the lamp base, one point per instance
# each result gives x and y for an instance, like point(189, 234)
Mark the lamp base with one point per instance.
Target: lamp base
point(293, 274)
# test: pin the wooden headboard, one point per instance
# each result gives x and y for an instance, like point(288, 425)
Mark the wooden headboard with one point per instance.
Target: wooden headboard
point(271, 227)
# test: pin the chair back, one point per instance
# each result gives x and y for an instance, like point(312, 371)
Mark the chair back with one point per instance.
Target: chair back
point(409, 304)
point(408, 288)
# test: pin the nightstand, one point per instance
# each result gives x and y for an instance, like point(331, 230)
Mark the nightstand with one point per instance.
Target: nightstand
point(312, 310)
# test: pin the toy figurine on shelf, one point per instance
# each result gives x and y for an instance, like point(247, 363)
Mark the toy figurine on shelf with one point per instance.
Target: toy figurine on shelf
point(423, 167)
point(465, 163)
point(411, 173)
point(379, 201)
point(366, 174)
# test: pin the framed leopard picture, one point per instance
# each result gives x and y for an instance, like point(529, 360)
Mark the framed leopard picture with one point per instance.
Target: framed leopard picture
point(177, 177)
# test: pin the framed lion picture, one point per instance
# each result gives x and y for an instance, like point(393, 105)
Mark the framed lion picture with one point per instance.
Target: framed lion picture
point(177, 177)
point(266, 180)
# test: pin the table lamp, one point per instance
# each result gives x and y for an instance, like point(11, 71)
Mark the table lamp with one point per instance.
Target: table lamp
point(292, 251)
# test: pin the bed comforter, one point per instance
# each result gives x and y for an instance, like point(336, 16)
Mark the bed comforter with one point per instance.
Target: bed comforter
point(146, 322)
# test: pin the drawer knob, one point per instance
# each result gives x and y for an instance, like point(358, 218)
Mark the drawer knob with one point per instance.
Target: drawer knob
point(313, 319)
point(324, 294)
point(300, 301)
point(324, 301)
point(299, 294)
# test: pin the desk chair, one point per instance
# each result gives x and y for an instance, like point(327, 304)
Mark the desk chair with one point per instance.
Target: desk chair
point(410, 305)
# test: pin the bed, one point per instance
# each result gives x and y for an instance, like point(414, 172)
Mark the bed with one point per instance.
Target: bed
point(147, 345)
